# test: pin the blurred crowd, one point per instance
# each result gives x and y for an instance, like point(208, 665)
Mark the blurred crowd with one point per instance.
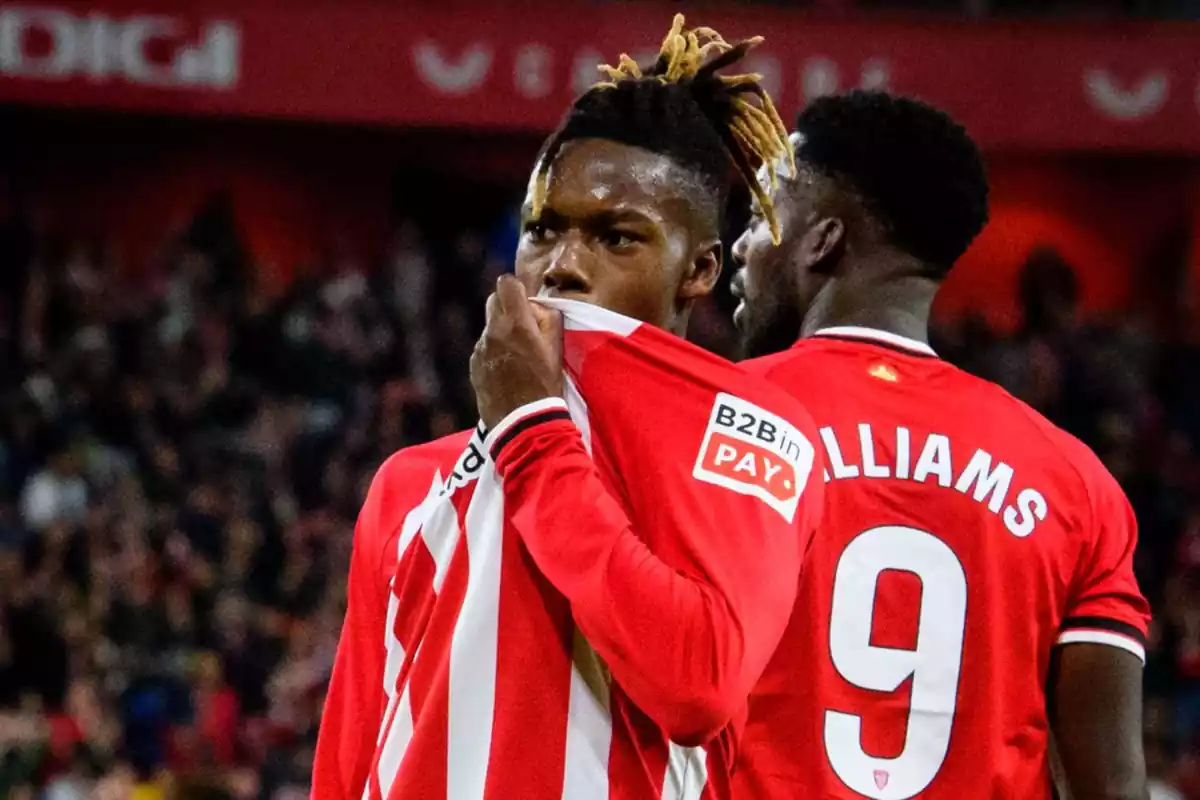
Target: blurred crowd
point(1130, 388)
point(182, 456)
point(183, 449)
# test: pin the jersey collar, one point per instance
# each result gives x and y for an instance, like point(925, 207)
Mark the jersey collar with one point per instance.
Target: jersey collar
point(892, 340)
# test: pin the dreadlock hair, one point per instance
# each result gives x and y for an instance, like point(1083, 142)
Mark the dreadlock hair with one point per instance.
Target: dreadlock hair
point(915, 169)
point(683, 109)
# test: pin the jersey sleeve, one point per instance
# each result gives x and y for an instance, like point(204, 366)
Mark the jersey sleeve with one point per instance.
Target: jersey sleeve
point(354, 704)
point(1106, 606)
point(686, 628)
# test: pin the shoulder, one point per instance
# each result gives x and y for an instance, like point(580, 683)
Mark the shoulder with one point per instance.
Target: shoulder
point(1104, 495)
point(809, 368)
point(1070, 455)
point(410, 462)
point(794, 357)
point(399, 486)
point(755, 383)
point(1095, 499)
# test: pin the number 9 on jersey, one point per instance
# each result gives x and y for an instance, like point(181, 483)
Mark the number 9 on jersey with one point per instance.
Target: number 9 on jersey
point(933, 665)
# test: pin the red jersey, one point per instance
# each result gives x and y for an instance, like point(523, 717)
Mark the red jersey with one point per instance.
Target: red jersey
point(964, 537)
point(564, 607)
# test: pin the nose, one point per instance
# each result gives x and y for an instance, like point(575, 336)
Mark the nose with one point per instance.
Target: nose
point(567, 274)
point(738, 251)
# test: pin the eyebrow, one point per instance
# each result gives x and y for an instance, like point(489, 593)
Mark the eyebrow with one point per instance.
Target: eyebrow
point(621, 215)
point(605, 217)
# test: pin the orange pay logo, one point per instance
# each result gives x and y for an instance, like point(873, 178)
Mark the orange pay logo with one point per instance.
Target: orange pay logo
point(749, 450)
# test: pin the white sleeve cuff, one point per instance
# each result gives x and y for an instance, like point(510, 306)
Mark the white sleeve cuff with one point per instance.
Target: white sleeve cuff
point(526, 415)
point(1085, 636)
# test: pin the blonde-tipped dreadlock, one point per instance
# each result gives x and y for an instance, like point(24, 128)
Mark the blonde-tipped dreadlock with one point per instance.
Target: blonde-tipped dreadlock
point(664, 108)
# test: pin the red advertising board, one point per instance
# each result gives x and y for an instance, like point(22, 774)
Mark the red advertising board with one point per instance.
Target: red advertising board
point(1065, 86)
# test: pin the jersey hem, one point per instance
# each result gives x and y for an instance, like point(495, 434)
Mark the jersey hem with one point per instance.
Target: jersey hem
point(523, 418)
point(1096, 623)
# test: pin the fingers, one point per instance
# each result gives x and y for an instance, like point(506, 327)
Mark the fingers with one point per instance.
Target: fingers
point(492, 307)
point(512, 295)
point(509, 309)
point(508, 304)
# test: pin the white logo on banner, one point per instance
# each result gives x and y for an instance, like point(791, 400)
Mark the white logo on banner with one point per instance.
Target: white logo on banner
point(531, 71)
point(452, 77)
point(820, 76)
point(1142, 100)
point(768, 67)
point(100, 47)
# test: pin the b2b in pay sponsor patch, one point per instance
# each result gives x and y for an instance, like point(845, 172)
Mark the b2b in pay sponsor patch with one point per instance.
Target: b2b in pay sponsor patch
point(751, 451)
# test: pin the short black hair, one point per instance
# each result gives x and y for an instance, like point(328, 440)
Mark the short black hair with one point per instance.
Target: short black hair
point(683, 109)
point(917, 170)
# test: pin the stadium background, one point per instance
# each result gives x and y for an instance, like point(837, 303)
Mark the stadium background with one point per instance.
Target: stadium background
point(244, 248)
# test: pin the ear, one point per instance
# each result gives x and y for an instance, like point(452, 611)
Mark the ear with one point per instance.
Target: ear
point(822, 245)
point(702, 273)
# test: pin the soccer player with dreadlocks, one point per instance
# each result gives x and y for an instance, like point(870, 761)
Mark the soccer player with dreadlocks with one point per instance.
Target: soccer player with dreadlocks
point(975, 563)
point(632, 620)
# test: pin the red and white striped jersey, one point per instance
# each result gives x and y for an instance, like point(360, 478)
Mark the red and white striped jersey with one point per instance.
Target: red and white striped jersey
point(582, 598)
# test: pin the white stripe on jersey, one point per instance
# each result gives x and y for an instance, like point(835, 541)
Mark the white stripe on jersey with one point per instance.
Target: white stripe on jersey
point(589, 725)
point(414, 519)
point(474, 646)
point(589, 718)
point(395, 651)
point(578, 409)
point(441, 533)
point(1089, 636)
point(395, 728)
point(687, 773)
point(893, 339)
point(399, 735)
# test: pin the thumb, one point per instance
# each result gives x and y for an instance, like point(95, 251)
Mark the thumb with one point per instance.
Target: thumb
point(549, 320)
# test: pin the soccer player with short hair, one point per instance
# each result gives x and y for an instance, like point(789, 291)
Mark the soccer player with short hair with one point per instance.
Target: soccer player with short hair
point(611, 652)
point(970, 592)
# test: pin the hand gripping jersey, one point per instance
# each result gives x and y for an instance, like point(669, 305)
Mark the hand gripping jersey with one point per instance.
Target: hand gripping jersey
point(964, 537)
point(582, 598)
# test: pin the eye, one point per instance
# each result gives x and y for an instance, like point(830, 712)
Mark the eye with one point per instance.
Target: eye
point(536, 231)
point(618, 239)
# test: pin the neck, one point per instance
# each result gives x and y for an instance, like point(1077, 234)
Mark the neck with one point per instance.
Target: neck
point(678, 322)
point(896, 300)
